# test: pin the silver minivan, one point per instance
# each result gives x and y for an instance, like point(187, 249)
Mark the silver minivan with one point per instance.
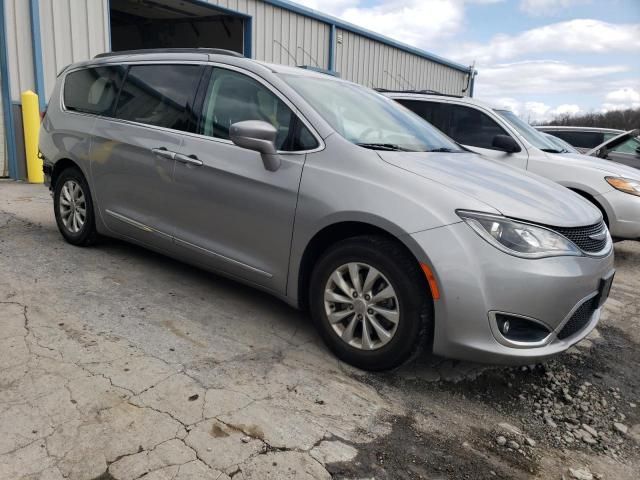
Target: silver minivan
point(328, 196)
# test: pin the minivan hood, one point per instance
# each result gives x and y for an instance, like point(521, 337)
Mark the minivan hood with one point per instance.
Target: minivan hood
point(606, 166)
point(513, 192)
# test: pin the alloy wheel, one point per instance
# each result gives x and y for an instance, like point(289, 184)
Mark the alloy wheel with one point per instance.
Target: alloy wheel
point(72, 206)
point(361, 306)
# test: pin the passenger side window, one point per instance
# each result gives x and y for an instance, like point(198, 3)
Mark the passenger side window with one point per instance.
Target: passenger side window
point(435, 113)
point(465, 125)
point(233, 97)
point(93, 90)
point(629, 146)
point(469, 126)
point(159, 95)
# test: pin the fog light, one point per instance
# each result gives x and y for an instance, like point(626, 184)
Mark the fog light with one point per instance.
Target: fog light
point(520, 329)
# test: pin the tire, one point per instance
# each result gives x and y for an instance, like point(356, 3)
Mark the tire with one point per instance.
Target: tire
point(412, 302)
point(72, 192)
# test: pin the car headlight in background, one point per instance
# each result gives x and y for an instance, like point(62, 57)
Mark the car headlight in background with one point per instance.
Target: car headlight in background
point(518, 238)
point(626, 185)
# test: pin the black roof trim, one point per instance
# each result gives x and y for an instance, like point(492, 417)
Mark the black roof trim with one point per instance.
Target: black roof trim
point(425, 92)
point(212, 51)
point(320, 70)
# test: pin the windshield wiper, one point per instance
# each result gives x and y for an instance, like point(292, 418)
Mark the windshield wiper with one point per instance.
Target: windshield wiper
point(392, 147)
point(445, 150)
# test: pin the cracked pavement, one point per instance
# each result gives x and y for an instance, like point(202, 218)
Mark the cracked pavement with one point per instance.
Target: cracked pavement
point(118, 363)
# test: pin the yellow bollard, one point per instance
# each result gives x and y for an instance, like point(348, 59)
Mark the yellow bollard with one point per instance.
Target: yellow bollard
point(31, 125)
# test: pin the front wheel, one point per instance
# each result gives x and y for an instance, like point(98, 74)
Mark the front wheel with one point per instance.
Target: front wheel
point(370, 302)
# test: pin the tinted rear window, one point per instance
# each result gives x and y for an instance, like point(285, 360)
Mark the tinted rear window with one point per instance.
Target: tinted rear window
point(92, 90)
point(159, 95)
point(465, 125)
point(431, 112)
point(580, 139)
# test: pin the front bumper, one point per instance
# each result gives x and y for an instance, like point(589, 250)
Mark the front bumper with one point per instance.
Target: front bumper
point(623, 212)
point(47, 170)
point(476, 279)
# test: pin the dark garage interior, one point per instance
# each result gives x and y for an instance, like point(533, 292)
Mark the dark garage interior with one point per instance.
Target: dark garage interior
point(139, 24)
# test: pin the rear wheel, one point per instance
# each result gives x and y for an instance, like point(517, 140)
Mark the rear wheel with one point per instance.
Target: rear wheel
point(73, 208)
point(370, 302)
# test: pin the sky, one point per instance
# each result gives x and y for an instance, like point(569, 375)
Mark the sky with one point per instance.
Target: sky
point(540, 58)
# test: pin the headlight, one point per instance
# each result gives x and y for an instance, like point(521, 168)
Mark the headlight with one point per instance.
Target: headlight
point(626, 185)
point(517, 238)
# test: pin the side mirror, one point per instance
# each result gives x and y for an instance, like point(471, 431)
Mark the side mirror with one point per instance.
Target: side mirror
point(506, 144)
point(258, 136)
point(602, 153)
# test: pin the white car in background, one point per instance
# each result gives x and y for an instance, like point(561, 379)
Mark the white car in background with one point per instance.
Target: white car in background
point(501, 135)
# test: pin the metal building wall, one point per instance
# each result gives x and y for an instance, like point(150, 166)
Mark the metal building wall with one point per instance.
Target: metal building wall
point(19, 52)
point(71, 31)
point(306, 39)
point(74, 30)
point(4, 167)
point(66, 31)
point(377, 65)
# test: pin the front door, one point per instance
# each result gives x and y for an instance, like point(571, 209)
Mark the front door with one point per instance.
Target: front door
point(231, 213)
point(132, 156)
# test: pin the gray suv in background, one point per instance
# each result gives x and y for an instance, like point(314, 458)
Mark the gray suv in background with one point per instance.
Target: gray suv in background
point(328, 196)
point(582, 138)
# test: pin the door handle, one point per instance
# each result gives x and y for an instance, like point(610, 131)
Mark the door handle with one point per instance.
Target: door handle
point(189, 159)
point(162, 152)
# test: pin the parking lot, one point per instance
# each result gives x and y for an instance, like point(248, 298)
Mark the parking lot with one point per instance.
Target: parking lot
point(118, 363)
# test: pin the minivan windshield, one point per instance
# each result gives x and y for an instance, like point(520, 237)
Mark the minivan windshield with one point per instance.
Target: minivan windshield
point(367, 118)
point(530, 134)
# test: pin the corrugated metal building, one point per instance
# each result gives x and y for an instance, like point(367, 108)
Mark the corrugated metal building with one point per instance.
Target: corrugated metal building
point(40, 37)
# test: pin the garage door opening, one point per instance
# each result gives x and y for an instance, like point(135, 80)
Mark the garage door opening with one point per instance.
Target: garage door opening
point(137, 24)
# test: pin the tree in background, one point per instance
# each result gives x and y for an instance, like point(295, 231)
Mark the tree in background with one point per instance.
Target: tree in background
point(622, 119)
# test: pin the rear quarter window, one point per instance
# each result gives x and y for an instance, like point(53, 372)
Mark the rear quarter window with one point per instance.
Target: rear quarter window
point(92, 90)
point(160, 95)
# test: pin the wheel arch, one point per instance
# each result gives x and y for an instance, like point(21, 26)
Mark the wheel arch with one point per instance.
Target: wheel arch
point(61, 165)
point(592, 199)
point(335, 232)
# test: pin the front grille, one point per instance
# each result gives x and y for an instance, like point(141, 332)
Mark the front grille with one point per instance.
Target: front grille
point(580, 236)
point(579, 319)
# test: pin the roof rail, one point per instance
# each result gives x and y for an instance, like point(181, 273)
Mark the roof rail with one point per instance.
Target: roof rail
point(319, 70)
point(426, 92)
point(212, 51)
